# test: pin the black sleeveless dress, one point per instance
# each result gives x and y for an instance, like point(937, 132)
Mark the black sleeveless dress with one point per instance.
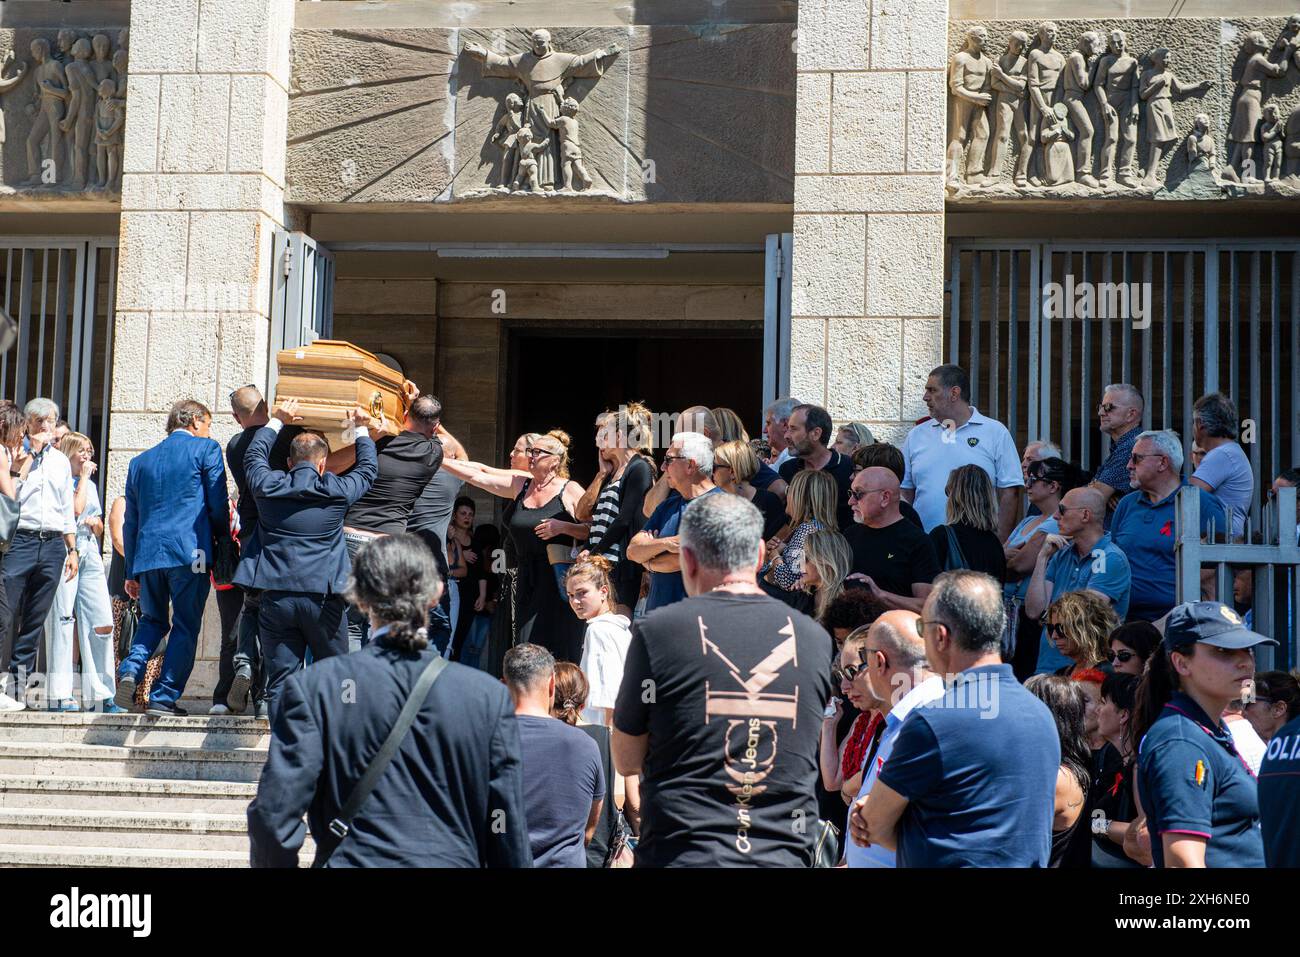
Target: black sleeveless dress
point(541, 615)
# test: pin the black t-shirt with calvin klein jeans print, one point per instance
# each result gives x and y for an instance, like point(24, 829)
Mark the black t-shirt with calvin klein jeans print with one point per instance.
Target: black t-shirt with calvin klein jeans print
point(731, 690)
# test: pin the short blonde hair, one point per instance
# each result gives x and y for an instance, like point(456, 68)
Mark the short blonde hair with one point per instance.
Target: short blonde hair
point(814, 495)
point(971, 499)
point(737, 456)
point(730, 427)
point(830, 554)
point(75, 442)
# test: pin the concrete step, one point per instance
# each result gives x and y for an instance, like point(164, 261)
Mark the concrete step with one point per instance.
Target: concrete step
point(124, 794)
point(59, 759)
point(134, 830)
point(218, 733)
point(53, 855)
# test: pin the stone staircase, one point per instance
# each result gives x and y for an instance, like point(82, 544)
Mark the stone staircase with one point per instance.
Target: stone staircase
point(106, 790)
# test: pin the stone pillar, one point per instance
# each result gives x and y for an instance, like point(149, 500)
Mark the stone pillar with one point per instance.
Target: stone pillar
point(202, 192)
point(868, 207)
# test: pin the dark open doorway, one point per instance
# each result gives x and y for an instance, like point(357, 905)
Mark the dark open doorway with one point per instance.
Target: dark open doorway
point(564, 378)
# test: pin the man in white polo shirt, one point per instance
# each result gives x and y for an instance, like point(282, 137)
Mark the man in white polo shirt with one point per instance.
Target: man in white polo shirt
point(957, 435)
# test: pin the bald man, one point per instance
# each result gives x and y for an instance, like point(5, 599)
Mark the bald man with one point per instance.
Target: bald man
point(892, 558)
point(900, 678)
point(1081, 556)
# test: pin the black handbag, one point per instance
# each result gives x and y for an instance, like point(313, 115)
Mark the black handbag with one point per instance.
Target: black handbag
point(225, 560)
point(826, 851)
point(126, 631)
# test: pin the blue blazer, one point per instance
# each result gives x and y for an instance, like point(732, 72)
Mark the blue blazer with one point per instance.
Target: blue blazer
point(176, 504)
point(298, 544)
point(452, 797)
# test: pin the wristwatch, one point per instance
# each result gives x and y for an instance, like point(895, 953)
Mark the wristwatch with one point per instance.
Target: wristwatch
point(1100, 826)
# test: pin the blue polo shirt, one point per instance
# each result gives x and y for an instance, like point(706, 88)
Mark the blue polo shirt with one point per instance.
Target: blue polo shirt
point(666, 588)
point(1193, 781)
point(1105, 569)
point(1114, 471)
point(1279, 797)
point(978, 767)
point(1144, 531)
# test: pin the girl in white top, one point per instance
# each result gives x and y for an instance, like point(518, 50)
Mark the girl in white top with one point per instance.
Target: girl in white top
point(604, 646)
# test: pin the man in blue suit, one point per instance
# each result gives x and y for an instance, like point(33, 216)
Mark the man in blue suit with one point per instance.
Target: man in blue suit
point(176, 507)
point(298, 559)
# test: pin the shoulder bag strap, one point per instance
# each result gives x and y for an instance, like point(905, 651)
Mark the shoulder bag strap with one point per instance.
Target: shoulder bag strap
point(956, 557)
point(341, 824)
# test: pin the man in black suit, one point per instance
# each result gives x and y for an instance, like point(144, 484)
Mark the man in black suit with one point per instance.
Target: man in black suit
point(453, 795)
point(300, 563)
point(240, 668)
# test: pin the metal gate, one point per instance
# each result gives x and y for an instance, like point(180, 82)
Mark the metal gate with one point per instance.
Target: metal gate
point(1218, 316)
point(60, 292)
point(302, 295)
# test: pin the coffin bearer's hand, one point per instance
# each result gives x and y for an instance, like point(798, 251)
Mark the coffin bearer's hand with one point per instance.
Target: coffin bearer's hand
point(377, 427)
point(287, 412)
point(360, 417)
point(410, 390)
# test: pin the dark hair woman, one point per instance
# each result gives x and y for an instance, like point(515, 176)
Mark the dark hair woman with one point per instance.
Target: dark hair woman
point(1111, 809)
point(1275, 701)
point(1068, 703)
point(1199, 796)
point(1130, 645)
point(608, 846)
point(463, 568)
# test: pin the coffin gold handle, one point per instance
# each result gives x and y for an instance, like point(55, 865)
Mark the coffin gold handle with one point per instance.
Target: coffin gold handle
point(376, 404)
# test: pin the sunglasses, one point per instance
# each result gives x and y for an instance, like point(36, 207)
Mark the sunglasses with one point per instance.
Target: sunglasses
point(1121, 656)
point(231, 397)
point(856, 496)
point(1136, 459)
point(537, 453)
point(847, 674)
point(1053, 627)
point(1106, 408)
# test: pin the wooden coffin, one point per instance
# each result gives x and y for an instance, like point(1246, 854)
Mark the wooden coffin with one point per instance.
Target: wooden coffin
point(329, 377)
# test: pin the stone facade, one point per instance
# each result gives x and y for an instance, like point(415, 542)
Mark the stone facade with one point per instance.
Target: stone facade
point(867, 276)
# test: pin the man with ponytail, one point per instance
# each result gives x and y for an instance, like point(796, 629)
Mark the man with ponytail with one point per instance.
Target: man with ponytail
point(453, 794)
point(1198, 794)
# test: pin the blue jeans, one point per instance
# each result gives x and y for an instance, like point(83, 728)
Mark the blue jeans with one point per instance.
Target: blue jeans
point(187, 592)
point(562, 572)
point(476, 640)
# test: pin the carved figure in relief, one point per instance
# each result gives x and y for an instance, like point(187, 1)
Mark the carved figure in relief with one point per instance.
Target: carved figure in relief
point(528, 153)
point(1078, 80)
point(102, 63)
point(80, 119)
point(1157, 88)
point(1271, 133)
point(110, 115)
point(1247, 109)
point(543, 71)
point(1116, 89)
point(51, 96)
point(1007, 79)
point(1041, 74)
point(506, 136)
point(8, 83)
point(1058, 164)
point(1201, 150)
point(63, 45)
point(119, 68)
point(566, 124)
point(968, 122)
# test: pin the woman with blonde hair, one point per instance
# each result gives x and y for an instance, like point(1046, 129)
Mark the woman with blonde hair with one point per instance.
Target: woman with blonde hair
point(851, 437)
point(734, 468)
point(827, 561)
point(612, 503)
point(810, 505)
point(542, 529)
point(969, 539)
point(730, 426)
point(1079, 623)
point(86, 595)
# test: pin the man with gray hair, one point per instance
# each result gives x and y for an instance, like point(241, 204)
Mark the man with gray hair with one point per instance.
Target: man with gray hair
point(43, 552)
point(1120, 418)
point(776, 417)
point(971, 779)
point(688, 466)
point(1144, 521)
point(564, 783)
point(901, 679)
point(720, 707)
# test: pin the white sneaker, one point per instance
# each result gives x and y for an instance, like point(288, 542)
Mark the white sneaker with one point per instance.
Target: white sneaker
point(9, 704)
point(218, 709)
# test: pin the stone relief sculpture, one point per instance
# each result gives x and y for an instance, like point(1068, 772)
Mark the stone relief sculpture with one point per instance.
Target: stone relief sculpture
point(1291, 148)
point(571, 167)
point(1157, 88)
point(1201, 151)
point(506, 136)
point(1078, 80)
point(968, 126)
point(528, 151)
point(78, 111)
point(1247, 108)
point(1058, 162)
point(1042, 73)
point(8, 83)
point(1117, 91)
point(543, 72)
point(1007, 79)
point(1271, 134)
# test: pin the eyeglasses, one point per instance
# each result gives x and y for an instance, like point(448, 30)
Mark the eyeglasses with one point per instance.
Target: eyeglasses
point(1106, 408)
point(1136, 459)
point(1053, 627)
point(856, 496)
point(231, 397)
point(1071, 508)
point(674, 458)
point(537, 453)
point(1121, 656)
point(922, 622)
point(847, 674)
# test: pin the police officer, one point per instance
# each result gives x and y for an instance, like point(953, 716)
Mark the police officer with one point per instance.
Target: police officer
point(1198, 794)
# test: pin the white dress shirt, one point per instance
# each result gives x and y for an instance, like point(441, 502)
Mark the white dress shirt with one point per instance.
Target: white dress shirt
point(45, 496)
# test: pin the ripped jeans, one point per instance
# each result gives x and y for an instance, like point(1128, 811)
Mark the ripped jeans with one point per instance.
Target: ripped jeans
point(86, 597)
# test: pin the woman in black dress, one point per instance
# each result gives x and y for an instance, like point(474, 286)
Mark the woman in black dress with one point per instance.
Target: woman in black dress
point(970, 537)
point(541, 527)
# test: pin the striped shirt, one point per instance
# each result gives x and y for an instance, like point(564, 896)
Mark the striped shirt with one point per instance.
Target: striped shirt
point(602, 516)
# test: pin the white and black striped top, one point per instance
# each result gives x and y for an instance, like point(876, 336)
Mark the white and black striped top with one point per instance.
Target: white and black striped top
point(602, 516)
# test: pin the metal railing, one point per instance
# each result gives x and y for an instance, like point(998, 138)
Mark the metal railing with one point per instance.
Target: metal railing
point(1273, 562)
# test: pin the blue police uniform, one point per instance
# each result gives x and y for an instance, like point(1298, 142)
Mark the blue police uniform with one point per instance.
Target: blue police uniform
point(1279, 797)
